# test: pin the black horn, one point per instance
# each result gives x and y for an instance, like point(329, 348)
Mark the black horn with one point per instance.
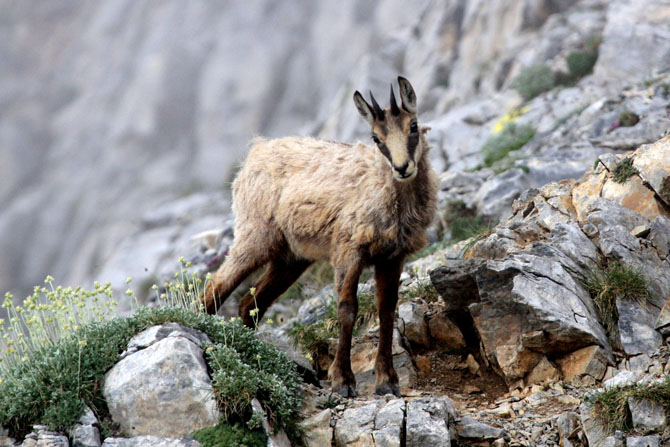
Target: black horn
point(395, 111)
point(378, 110)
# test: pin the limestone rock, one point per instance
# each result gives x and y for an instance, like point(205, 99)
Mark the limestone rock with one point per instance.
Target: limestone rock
point(413, 323)
point(568, 425)
point(591, 360)
point(623, 378)
point(85, 433)
point(595, 432)
point(544, 372)
point(643, 441)
point(318, 431)
point(428, 422)
point(354, 428)
point(636, 328)
point(646, 415)
point(445, 332)
point(150, 441)
point(168, 380)
point(456, 283)
point(663, 320)
point(41, 436)
point(389, 424)
point(472, 430)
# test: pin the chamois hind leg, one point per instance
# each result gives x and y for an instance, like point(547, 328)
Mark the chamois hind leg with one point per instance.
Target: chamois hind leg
point(387, 277)
point(341, 376)
point(250, 251)
point(279, 275)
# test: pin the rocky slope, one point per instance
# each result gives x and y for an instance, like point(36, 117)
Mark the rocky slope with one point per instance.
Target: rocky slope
point(146, 104)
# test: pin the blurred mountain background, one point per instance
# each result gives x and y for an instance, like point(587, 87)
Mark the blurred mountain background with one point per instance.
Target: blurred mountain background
point(122, 122)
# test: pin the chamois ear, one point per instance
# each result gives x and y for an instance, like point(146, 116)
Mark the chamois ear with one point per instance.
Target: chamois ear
point(407, 95)
point(364, 108)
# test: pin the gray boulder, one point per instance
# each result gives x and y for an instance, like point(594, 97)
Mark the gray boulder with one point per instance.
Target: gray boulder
point(166, 381)
point(430, 422)
point(150, 441)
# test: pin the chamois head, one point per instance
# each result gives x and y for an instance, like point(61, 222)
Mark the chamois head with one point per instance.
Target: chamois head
point(395, 130)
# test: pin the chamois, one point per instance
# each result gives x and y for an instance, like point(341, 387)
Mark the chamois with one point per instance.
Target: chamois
point(300, 200)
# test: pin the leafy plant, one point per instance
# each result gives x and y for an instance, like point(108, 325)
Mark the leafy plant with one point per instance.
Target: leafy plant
point(624, 170)
point(533, 80)
point(513, 137)
point(227, 435)
point(607, 285)
point(50, 383)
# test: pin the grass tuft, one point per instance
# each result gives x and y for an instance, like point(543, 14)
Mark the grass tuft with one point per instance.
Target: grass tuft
point(624, 170)
point(611, 406)
point(617, 281)
point(513, 137)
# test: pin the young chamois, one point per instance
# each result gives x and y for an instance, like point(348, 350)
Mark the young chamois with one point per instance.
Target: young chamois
point(299, 200)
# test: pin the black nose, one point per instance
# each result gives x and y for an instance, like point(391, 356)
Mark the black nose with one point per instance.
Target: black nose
point(401, 169)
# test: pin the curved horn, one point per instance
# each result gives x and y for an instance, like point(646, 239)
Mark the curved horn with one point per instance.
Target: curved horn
point(378, 110)
point(395, 111)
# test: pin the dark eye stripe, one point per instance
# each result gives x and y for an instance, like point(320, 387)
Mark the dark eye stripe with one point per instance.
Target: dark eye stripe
point(412, 142)
point(385, 151)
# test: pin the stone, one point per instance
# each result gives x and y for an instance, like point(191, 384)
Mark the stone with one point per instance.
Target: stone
point(568, 425)
point(472, 365)
point(154, 334)
point(495, 197)
point(646, 415)
point(595, 431)
point(662, 323)
point(318, 431)
point(85, 432)
point(41, 436)
point(643, 441)
point(591, 360)
point(586, 192)
point(354, 428)
point(612, 441)
point(445, 333)
point(634, 195)
point(150, 441)
point(389, 424)
point(168, 380)
point(653, 164)
point(623, 378)
point(659, 235)
point(543, 373)
point(428, 422)
point(456, 283)
point(636, 328)
point(413, 323)
point(471, 429)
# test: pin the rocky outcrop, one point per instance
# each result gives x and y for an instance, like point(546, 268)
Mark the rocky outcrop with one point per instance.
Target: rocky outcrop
point(524, 284)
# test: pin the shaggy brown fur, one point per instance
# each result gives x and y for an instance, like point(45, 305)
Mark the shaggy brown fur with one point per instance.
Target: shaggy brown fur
point(299, 200)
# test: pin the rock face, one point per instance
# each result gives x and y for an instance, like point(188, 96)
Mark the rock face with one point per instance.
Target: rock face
point(167, 380)
point(524, 285)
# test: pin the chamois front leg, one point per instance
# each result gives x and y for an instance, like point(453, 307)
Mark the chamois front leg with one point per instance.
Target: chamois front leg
point(387, 278)
point(341, 375)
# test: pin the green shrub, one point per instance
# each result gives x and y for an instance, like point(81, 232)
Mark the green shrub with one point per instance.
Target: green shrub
point(51, 384)
point(513, 137)
point(581, 62)
point(624, 170)
point(628, 119)
point(607, 285)
point(227, 435)
point(534, 80)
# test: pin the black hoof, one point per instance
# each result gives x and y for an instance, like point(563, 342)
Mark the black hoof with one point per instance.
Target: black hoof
point(388, 389)
point(346, 391)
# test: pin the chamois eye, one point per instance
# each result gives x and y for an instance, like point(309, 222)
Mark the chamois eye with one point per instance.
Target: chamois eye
point(413, 127)
point(376, 140)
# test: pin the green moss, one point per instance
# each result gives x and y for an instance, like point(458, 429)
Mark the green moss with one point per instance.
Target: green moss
point(624, 170)
point(617, 281)
point(227, 435)
point(580, 63)
point(534, 80)
point(513, 137)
